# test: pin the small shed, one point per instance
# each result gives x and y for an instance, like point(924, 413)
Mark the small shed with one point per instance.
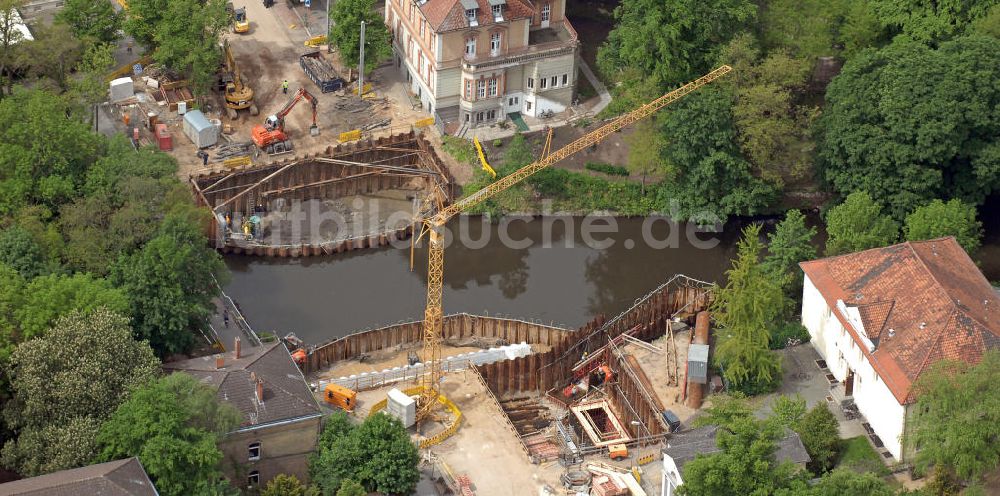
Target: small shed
point(121, 89)
point(698, 363)
point(199, 129)
point(402, 407)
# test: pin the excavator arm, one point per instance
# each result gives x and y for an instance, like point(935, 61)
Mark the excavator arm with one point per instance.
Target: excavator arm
point(432, 227)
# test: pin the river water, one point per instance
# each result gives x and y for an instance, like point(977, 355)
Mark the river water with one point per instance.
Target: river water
point(560, 278)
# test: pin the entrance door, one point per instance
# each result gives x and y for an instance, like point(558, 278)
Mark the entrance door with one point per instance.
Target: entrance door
point(849, 384)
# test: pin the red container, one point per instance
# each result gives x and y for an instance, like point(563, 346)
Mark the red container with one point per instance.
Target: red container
point(163, 138)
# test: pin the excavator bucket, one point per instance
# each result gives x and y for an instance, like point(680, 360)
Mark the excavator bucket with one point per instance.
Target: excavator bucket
point(314, 130)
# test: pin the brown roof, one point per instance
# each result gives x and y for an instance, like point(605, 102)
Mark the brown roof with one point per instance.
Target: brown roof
point(918, 302)
point(449, 15)
point(685, 446)
point(286, 394)
point(118, 478)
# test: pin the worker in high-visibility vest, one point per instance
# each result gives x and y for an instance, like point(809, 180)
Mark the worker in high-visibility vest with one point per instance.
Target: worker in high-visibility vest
point(284, 87)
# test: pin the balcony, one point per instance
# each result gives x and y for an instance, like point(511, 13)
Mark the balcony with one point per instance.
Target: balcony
point(556, 39)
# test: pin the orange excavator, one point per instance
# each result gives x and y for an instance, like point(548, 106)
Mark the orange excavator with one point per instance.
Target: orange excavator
point(270, 136)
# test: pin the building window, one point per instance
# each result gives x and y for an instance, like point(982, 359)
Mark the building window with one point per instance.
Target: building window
point(479, 117)
point(253, 479)
point(491, 115)
point(531, 83)
point(421, 28)
point(470, 47)
point(253, 452)
point(527, 106)
point(493, 86)
point(494, 44)
point(554, 81)
point(468, 89)
point(481, 88)
point(565, 79)
point(546, 12)
point(542, 82)
point(470, 15)
point(498, 13)
point(513, 101)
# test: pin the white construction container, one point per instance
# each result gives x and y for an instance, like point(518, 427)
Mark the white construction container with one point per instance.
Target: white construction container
point(199, 129)
point(401, 406)
point(121, 89)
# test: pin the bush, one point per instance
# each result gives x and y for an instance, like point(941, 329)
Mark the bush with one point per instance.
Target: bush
point(611, 170)
point(460, 149)
point(789, 330)
point(497, 143)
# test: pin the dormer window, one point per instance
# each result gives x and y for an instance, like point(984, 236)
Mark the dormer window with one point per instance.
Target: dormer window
point(496, 7)
point(471, 12)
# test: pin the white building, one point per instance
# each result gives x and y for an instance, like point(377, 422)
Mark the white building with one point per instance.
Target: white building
point(685, 446)
point(881, 317)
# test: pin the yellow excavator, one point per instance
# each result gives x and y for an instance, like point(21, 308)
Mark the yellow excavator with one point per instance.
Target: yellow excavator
point(239, 96)
point(240, 22)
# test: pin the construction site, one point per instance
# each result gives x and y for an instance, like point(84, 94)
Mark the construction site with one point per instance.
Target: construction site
point(294, 159)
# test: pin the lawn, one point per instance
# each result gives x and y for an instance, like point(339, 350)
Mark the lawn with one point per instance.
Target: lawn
point(857, 454)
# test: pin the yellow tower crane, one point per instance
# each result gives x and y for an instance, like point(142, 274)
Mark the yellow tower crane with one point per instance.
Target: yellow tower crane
point(432, 228)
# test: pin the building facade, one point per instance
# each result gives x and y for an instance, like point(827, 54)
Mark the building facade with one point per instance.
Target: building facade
point(881, 317)
point(281, 419)
point(472, 62)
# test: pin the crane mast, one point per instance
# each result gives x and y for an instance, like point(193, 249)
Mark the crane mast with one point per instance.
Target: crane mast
point(433, 225)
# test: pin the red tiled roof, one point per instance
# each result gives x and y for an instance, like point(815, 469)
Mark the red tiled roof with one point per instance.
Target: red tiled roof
point(919, 302)
point(449, 15)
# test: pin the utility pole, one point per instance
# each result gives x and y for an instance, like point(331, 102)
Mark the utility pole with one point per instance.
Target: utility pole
point(361, 64)
point(329, 47)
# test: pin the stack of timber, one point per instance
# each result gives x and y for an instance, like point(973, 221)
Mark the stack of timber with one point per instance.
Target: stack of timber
point(541, 448)
point(232, 150)
point(527, 415)
point(321, 72)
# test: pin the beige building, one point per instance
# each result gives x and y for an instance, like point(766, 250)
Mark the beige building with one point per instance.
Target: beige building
point(281, 420)
point(472, 62)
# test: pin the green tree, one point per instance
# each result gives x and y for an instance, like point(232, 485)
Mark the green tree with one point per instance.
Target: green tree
point(858, 224)
point(670, 42)
point(930, 20)
point(289, 485)
point(66, 383)
point(90, 20)
point(788, 411)
point(842, 482)
point(43, 155)
point(90, 88)
point(806, 27)
point(172, 425)
point(378, 454)
point(706, 175)
point(351, 488)
point(909, 123)
point(789, 244)
point(10, 37)
point(187, 38)
point(745, 466)
point(645, 148)
point(938, 219)
point(988, 24)
point(345, 34)
point(744, 309)
point(725, 410)
point(170, 285)
point(19, 251)
point(820, 434)
point(143, 19)
point(958, 409)
point(53, 54)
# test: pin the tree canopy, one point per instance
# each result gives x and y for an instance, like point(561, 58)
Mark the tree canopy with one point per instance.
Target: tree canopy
point(858, 224)
point(345, 34)
point(958, 409)
point(910, 123)
point(289, 485)
point(66, 383)
point(745, 309)
point(789, 244)
point(938, 219)
point(930, 20)
point(172, 424)
point(96, 21)
point(378, 454)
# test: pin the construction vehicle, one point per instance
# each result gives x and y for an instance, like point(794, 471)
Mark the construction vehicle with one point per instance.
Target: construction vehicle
point(270, 136)
point(340, 397)
point(240, 22)
point(617, 452)
point(238, 95)
point(433, 228)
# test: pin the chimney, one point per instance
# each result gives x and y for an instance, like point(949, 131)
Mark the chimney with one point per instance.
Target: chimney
point(260, 390)
point(236, 347)
point(220, 361)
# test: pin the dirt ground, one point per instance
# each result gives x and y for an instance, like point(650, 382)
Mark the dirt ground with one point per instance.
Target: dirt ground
point(320, 221)
point(654, 366)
